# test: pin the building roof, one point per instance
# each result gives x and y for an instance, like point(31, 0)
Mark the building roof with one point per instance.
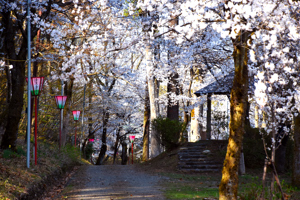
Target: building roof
point(222, 86)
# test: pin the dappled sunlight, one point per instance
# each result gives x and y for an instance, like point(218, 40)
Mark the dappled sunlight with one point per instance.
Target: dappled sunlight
point(110, 192)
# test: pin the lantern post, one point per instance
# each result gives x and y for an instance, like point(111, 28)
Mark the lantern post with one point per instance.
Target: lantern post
point(60, 102)
point(28, 85)
point(131, 139)
point(36, 84)
point(76, 114)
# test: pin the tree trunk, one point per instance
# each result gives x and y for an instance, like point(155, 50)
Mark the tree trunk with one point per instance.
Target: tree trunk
point(146, 126)
point(103, 146)
point(124, 153)
point(116, 148)
point(208, 118)
point(195, 133)
point(15, 106)
point(202, 133)
point(238, 104)
point(172, 88)
point(155, 138)
point(68, 91)
point(296, 161)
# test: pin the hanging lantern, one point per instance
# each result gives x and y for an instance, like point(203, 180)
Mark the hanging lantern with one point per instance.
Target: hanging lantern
point(76, 114)
point(131, 138)
point(36, 85)
point(60, 101)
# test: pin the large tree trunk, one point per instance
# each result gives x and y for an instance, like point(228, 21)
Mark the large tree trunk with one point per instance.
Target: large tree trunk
point(155, 138)
point(296, 161)
point(238, 104)
point(146, 126)
point(15, 106)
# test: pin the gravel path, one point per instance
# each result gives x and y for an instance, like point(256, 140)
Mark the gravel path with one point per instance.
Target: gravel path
point(115, 182)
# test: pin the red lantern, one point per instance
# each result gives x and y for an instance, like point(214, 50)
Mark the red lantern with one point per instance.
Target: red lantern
point(36, 84)
point(60, 101)
point(131, 138)
point(76, 114)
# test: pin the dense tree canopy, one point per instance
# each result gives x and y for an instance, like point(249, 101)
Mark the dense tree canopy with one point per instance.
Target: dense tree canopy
point(112, 48)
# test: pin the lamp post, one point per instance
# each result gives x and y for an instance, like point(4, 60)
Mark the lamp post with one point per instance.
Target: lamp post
point(28, 85)
point(131, 139)
point(60, 102)
point(76, 114)
point(36, 84)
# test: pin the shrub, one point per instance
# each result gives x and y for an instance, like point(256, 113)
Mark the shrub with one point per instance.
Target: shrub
point(169, 131)
point(20, 151)
point(88, 151)
point(8, 153)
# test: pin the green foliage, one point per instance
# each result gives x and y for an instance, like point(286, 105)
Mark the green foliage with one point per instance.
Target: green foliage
point(253, 148)
point(71, 151)
point(20, 151)
point(169, 131)
point(251, 188)
point(88, 151)
point(192, 186)
point(189, 192)
point(8, 153)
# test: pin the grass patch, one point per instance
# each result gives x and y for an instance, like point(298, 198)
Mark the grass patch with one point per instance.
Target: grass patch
point(206, 186)
point(188, 192)
point(191, 186)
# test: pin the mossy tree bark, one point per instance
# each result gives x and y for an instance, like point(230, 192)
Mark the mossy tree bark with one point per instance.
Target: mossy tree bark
point(146, 125)
point(238, 104)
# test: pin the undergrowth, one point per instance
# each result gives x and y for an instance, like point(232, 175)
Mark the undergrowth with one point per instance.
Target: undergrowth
point(16, 178)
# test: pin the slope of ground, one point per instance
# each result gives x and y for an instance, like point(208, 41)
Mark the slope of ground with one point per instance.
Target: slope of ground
point(19, 182)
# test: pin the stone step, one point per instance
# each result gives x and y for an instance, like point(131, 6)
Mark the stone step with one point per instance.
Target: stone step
point(183, 156)
point(193, 160)
point(200, 166)
point(199, 170)
point(192, 148)
point(201, 162)
point(201, 157)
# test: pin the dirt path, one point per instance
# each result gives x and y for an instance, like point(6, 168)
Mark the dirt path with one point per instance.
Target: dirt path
point(113, 182)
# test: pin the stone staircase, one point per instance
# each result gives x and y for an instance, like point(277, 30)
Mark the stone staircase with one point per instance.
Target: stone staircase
point(202, 156)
